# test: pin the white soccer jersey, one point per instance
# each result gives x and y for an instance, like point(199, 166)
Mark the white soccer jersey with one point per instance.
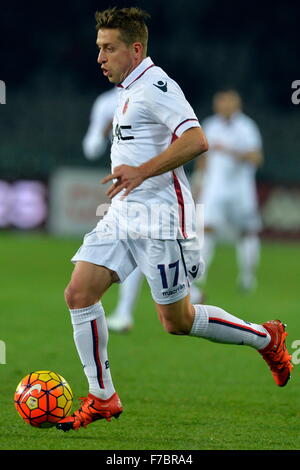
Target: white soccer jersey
point(94, 142)
point(152, 110)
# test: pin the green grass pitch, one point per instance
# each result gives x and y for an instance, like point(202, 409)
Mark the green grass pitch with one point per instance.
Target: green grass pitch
point(178, 392)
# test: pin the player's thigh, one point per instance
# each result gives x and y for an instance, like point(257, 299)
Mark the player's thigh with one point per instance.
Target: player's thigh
point(101, 247)
point(101, 260)
point(93, 278)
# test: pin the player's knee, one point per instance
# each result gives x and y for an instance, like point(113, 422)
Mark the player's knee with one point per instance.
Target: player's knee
point(78, 298)
point(71, 296)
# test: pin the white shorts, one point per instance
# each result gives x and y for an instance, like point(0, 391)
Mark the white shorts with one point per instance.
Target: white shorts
point(169, 265)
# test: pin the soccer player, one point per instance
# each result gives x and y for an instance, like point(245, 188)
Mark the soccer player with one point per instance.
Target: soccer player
point(150, 221)
point(228, 187)
point(95, 144)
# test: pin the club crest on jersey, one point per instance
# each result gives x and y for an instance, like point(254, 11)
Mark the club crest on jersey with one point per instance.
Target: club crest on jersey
point(125, 107)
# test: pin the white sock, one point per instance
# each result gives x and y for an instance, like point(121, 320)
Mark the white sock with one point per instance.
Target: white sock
point(91, 338)
point(128, 291)
point(219, 326)
point(248, 253)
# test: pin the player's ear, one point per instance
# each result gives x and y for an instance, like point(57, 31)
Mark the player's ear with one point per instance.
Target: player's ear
point(138, 49)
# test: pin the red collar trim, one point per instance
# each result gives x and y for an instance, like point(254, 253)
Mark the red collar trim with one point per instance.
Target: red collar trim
point(152, 65)
point(139, 76)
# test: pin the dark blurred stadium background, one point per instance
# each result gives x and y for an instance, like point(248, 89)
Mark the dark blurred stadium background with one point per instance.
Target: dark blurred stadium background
point(48, 63)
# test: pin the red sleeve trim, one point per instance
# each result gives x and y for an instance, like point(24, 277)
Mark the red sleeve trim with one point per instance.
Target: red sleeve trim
point(183, 122)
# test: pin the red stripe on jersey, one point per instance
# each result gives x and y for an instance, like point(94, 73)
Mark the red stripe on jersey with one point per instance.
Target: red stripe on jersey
point(180, 203)
point(179, 196)
point(174, 137)
point(96, 352)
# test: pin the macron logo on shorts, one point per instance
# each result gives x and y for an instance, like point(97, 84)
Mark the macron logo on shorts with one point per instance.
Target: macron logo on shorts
point(194, 271)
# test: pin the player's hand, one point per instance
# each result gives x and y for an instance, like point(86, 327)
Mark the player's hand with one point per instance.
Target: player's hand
point(128, 178)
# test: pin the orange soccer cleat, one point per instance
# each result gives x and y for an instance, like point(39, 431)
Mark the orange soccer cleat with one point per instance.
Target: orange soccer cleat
point(92, 409)
point(276, 354)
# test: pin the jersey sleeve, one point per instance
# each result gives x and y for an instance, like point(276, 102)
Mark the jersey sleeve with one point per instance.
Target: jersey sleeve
point(167, 105)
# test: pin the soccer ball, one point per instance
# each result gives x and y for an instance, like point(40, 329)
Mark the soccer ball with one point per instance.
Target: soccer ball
point(42, 398)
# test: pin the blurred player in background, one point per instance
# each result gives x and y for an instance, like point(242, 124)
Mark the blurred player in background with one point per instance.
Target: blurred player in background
point(227, 180)
point(155, 133)
point(96, 140)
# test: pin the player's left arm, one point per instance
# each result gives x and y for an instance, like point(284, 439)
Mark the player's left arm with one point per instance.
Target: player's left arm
point(189, 145)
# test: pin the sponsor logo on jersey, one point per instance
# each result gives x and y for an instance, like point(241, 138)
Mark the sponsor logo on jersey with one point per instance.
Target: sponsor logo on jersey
point(161, 85)
point(118, 133)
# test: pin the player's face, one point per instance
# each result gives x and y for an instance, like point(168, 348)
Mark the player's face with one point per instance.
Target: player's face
point(116, 58)
point(226, 104)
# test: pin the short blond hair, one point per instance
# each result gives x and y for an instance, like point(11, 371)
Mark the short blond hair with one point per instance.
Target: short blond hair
point(129, 21)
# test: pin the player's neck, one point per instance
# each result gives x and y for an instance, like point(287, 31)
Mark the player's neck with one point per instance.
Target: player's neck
point(131, 69)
